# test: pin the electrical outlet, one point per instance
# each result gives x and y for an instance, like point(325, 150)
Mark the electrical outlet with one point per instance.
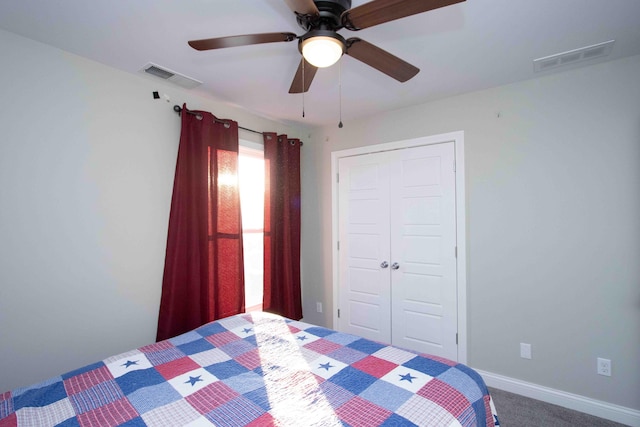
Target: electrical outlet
point(525, 350)
point(318, 306)
point(604, 367)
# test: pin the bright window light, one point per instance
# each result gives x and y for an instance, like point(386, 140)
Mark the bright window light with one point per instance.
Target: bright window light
point(251, 181)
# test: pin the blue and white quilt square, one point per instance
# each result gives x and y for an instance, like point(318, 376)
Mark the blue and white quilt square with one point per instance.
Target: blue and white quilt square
point(395, 355)
point(460, 381)
point(210, 357)
point(131, 361)
point(195, 346)
point(146, 399)
point(428, 366)
point(185, 338)
point(303, 337)
point(326, 367)
point(319, 331)
point(226, 369)
point(244, 331)
point(178, 413)
point(353, 380)
point(366, 346)
point(94, 397)
point(407, 378)
point(386, 395)
point(192, 381)
point(134, 380)
point(244, 383)
point(48, 415)
point(43, 394)
point(234, 323)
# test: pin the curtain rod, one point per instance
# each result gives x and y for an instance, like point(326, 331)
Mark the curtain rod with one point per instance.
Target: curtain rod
point(178, 109)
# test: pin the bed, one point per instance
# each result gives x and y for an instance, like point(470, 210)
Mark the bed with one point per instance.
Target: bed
point(258, 369)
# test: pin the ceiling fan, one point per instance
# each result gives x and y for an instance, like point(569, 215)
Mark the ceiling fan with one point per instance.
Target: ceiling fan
point(322, 46)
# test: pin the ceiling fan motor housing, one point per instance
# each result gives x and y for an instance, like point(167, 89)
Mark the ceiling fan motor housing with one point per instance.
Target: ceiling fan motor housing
point(328, 17)
point(326, 23)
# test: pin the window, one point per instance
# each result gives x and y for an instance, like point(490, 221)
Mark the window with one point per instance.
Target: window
point(251, 181)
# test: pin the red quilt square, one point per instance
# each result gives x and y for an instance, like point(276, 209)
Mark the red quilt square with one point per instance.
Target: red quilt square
point(374, 366)
point(211, 396)
point(222, 338)
point(487, 410)
point(12, 421)
point(158, 346)
point(446, 396)
point(176, 367)
point(250, 359)
point(442, 360)
point(359, 412)
point(113, 414)
point(322, 346)
point(293, 329)
point(86, 380)
point(265, 420)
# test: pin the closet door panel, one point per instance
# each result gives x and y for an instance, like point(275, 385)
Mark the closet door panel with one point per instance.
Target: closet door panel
point(364, 294)
point(422, 225)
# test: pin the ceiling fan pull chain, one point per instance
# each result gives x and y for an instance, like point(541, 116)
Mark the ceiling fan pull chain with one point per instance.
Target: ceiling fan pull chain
point(340, 92)
point(304, 63)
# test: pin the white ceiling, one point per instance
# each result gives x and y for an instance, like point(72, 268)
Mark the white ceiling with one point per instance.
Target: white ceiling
point(469, 46)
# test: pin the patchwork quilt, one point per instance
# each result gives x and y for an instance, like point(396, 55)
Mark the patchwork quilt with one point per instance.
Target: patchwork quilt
point(258, 369)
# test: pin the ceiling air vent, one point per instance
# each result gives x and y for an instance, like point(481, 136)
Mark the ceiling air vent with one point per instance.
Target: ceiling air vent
point(171, 76)
point(573, 56)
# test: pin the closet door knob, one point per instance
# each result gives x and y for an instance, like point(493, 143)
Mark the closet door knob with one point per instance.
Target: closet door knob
point(395, 266)
point(384, 264)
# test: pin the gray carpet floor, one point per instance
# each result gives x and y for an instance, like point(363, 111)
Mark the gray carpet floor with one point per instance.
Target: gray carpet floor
point(519, 411)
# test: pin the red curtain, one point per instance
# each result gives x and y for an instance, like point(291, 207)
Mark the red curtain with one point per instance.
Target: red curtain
point(203, 273)
point(282, 294)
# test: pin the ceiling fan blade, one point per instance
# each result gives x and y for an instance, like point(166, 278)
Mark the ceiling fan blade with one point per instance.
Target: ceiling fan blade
point(248, 39)
point(380, 59)
point(380, 11)
point(303, 7)
point(309, 74)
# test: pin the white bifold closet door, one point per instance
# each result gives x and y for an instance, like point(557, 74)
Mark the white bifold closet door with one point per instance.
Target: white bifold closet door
point(397, 248)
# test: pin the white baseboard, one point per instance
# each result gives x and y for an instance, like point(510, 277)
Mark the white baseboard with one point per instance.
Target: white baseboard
point(609, 411)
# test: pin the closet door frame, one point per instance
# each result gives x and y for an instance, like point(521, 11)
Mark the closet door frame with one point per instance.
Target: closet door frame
point(461, 267)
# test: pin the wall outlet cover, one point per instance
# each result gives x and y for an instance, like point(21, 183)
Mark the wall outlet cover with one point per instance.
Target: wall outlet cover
point(525, 350)
point(604, 367)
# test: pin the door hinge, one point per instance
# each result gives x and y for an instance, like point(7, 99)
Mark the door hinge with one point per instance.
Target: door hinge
point(456, 251)
point(338, 313)
point(338, 244)
point(456, 338)
point(454, 165)
point(338, 178)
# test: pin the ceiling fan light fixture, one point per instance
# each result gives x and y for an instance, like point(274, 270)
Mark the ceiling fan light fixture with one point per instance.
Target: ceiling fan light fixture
point(322, 50)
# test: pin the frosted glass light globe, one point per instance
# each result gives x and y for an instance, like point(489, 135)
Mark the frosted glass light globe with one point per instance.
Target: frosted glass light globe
point(322, 51)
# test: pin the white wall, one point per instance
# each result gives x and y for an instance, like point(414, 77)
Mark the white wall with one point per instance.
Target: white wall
point(553, 205)
point(87, 158)
point(553, 222)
